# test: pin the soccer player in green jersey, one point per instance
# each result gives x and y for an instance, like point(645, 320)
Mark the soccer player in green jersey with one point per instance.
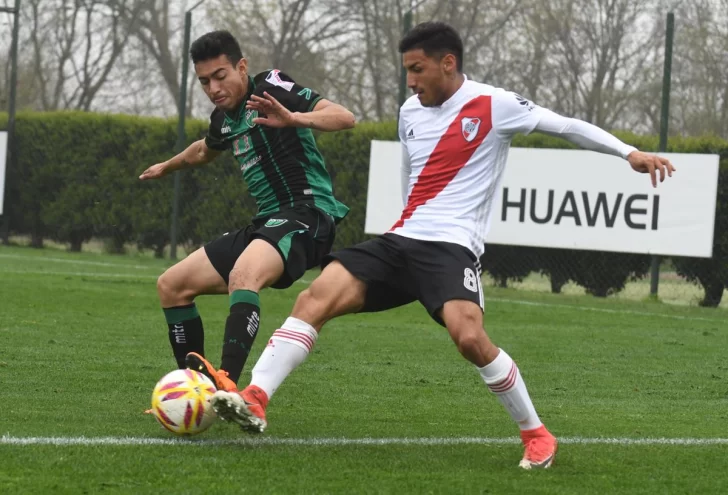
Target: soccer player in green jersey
point(266, 121)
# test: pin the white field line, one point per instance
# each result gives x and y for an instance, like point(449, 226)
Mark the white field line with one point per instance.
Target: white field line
point(324, 442)
point(603, 310)
point(29, 259)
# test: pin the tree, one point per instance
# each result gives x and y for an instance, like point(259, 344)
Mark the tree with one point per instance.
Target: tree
point(591, 59)
point(157, 27)
point(299, 37)
point(486, 38)
point(700, 78)
point(74, 44)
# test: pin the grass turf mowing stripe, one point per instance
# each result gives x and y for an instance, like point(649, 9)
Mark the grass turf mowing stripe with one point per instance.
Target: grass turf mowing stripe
point(315, 442)
point(75, 262)
point(82, 274)
point(600, 310)
point(307, 282)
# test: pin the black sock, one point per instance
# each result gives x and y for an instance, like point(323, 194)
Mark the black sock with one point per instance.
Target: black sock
point(185, 332)
point(240, 331)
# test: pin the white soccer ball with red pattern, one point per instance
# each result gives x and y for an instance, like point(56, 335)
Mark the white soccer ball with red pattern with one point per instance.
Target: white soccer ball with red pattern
point(181, 402)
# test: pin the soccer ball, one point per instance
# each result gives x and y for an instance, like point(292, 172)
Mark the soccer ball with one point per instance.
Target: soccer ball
point(181, 402)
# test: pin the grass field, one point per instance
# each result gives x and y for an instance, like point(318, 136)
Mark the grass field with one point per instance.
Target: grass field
point(673, 289)
point(638, 393)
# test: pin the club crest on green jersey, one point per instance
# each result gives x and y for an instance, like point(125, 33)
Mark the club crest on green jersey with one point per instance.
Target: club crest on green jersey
point(249, 116)
point(275, 222)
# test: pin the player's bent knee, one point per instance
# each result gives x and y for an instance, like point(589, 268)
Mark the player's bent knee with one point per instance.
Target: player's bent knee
point(165, 286)
point(468, 341)
point(306, 300)
point(172, 292)
point(316, 300)
point(476, 347)
point(312, 309)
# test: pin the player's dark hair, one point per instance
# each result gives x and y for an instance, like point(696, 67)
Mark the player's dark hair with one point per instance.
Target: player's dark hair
point(436, 39)
point(214, 44)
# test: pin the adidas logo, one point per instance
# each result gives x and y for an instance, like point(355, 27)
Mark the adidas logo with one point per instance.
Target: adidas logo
point(411, 134)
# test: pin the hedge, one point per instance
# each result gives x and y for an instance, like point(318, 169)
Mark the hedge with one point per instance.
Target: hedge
point(76, 178)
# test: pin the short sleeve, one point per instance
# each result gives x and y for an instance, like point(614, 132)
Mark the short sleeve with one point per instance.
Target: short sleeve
point(214, 139)
point(290, 94)
point(513, 114)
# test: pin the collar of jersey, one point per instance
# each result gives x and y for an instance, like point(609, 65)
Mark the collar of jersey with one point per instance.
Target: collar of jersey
point(251, 88)
point(449, 100)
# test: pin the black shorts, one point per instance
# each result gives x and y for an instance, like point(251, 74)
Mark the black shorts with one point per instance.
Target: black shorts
point(399, 270)
point(302, 235)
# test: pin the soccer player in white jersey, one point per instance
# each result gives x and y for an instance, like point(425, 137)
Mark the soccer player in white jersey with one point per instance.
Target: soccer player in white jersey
point(455, 135)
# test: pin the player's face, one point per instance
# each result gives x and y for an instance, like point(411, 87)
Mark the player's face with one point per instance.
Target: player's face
point(427, 76)
point(222, 82)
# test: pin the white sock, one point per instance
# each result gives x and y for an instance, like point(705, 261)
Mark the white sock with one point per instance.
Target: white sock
point(504, 379)
point(286, 349)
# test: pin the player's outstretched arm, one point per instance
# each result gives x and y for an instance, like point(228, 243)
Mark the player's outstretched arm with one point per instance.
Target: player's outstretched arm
point(196, 154)
point(325, 116)
point(591, 137)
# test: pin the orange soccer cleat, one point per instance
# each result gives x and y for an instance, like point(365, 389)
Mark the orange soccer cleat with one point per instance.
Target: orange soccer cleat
point(246, 408)
point(196, 362)
point(540, 448)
